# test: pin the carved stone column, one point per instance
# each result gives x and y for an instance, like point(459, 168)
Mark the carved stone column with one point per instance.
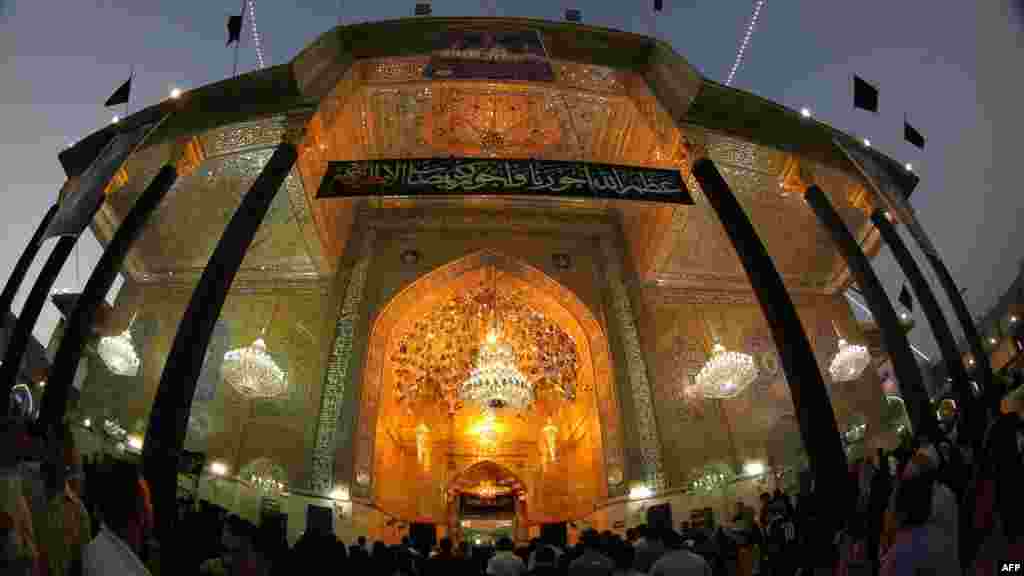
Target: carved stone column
point(337, 386)
point(635, 368)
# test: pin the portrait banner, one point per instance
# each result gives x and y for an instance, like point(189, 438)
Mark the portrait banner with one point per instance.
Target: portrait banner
point(482, 54)
point(502, 177)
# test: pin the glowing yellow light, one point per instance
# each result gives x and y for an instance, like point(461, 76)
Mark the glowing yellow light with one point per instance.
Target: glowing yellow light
point(754, 468)
point(175, 93)
point(135, 442)
point(492, 337)
point(218, 468)
point(639, 492)
point(87, 423)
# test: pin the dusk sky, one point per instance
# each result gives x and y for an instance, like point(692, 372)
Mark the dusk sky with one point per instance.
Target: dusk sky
point(953, 67)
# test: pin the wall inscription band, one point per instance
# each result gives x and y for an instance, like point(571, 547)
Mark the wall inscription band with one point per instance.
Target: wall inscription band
point(501, 177)
point(636, 370)
point(339, 365)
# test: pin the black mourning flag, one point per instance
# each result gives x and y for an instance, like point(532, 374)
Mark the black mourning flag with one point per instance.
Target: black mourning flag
point(910, 134)
point(906, 299)
point(573, 15)
point(865, 96)
point(234, 29)
point(657, 5)
point(121, 95)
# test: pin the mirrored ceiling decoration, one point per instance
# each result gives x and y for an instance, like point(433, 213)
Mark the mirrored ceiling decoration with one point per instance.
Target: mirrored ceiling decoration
point(439, 351)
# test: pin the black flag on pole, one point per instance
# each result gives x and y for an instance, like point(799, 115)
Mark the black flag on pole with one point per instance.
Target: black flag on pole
point(910, 134)
point(234, 29)
point(121, 95)
point(906, 299)
point(865, 96)
point(657, 5)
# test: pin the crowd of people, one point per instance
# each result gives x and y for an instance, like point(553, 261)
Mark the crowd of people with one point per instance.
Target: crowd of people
point(928, 509)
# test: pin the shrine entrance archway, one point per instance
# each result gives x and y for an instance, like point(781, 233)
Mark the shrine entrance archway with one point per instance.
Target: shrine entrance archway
point(389, 454)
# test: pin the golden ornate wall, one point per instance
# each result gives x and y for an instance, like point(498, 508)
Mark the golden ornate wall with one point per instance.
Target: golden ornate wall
point(676, 333)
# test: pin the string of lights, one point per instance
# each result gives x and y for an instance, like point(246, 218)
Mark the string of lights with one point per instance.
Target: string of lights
point(256, 33)
point(758, 5)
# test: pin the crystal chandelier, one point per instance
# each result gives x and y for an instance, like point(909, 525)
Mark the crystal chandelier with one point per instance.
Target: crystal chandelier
point(253, 373)
point(118, 353)
point(726, 374)
point(849, 362)
point(496, 382)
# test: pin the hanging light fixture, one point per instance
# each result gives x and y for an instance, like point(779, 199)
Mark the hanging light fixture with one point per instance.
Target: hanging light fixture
point(422, 455)
point(551, 437)
point(726, 374)
point(850, 361)
point(253, 372)
point(118, 352)
point(495, 381)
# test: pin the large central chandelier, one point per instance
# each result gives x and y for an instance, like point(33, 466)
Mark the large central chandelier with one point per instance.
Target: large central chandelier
point(488, 347)
point(726, 374)
point(118, 353)
point(253, 373)
point(495, 381)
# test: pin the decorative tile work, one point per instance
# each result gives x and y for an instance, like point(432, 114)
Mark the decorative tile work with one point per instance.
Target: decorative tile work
point(395, 69)
point(589, 77)
point(244, 136)
point(338, 366)
point(636, 369)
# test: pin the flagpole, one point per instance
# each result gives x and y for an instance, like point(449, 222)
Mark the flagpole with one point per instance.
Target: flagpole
point(131, 76)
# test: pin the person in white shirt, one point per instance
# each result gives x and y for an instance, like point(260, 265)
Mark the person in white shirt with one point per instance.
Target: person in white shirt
point(505, 563)
point(678, 561)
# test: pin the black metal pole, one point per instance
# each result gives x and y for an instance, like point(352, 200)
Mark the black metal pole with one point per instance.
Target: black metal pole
point(894, 338)
point(19, 338)
point(169, 414)
point(79, 324)
point(982, 366)
point(818, 428)
point(940, 328)
point(25, 262)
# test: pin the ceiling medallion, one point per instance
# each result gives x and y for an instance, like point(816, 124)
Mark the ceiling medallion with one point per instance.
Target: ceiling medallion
point(253, 373)
point(726, 374)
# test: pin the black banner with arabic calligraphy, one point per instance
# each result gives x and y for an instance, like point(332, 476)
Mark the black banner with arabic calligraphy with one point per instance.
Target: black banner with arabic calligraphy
point(501, 177)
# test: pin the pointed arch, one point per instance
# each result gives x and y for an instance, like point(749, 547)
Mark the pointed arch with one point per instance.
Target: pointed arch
point(441, 283)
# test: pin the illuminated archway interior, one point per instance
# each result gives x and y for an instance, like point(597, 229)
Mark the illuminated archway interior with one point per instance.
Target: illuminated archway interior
point(439, 433)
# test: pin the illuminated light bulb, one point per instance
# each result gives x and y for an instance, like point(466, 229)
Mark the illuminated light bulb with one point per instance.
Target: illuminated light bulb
point(991, 340)
point(971, 361)
point(135, 442)
point(1013, 319)
point(753, 468)
point(175, 93)
point(909, 167)
point(867, 143)
point(87, 423)
point(219, 468)
point(115, 119)
point(805, 112)
point(492, 338)
point(42, 383)
point(640, 492)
